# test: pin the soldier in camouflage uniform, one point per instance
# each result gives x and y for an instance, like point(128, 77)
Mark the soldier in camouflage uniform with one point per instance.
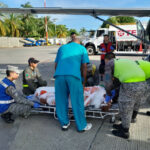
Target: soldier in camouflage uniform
point(11, 103)
point(32, 78)
point(145, 66)
point(132, 79)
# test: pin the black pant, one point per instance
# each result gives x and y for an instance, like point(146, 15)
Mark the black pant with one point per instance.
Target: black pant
point(102, 67)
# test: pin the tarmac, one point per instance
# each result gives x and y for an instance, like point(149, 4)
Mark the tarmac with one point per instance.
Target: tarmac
point(43, 132)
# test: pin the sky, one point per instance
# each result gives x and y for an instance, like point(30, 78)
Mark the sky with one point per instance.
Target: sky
point(77, 22)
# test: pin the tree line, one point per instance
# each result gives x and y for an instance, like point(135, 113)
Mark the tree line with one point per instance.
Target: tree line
point(29, 25)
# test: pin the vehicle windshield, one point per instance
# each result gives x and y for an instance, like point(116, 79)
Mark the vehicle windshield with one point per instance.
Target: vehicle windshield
point(90, 34)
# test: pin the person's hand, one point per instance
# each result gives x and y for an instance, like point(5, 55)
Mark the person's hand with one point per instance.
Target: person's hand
point(107, 99)
point(36, 105)
point(112, 48)
point(102, 49)
point(113, 92)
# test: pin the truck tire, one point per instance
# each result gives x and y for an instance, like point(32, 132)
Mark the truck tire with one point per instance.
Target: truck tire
point(90, 50)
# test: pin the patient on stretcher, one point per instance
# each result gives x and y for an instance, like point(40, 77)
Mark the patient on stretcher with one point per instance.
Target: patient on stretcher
point(93, 96)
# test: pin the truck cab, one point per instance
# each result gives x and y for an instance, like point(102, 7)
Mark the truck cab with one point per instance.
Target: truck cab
point(93, 39)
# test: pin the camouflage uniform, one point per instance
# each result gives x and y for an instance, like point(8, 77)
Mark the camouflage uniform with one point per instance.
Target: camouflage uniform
point(21, 106)
point(32, 80)
point(147, 93)
point(130, 94)
point(129, 100)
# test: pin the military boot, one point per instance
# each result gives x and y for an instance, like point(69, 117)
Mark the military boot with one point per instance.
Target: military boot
point(148, 113)
point(117, 126)
point(7, 117)
point(123, 133)
point(134, 115)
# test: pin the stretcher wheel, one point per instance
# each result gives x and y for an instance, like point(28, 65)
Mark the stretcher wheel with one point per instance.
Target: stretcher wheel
point(113, 119)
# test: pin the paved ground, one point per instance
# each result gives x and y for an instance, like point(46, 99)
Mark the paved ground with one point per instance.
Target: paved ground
point(42, 132)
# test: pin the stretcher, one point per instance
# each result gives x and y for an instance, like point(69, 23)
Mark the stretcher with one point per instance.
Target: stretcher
point(94, 107)
point(90, 112)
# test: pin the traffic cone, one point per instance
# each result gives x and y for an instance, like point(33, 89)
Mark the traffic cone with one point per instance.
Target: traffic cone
point(140, 48)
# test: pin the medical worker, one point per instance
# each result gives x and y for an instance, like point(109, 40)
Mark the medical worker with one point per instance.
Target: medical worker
point(69, 61)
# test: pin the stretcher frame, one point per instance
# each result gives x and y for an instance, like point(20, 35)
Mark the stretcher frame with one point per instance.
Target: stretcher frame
point(90, 112)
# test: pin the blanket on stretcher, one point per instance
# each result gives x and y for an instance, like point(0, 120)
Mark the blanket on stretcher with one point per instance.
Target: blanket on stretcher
point(93, 96)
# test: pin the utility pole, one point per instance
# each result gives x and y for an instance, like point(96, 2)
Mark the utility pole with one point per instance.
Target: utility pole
point(55, 36)
point(46, 30)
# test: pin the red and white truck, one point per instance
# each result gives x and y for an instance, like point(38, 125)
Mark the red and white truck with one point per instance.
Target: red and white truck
point(121, 40)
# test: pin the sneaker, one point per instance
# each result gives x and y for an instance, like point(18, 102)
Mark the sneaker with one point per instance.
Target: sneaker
point(88, 127)
point(117, 126)
point(65, 127)
point(148, 113)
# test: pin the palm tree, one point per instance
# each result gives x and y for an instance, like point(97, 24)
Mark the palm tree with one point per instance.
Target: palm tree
point(51, 30)
point(2, 25)
point(41, 27)
point(82, 31)
point(29, 23)
point(2, 28)
point(61, 31)
point(13, 24)
point(26, 5)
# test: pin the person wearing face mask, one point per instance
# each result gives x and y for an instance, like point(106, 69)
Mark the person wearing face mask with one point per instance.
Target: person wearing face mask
point(32, 78)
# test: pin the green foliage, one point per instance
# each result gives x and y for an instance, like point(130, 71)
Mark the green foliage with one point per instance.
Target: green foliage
point(72, 30)
point(29, 25)
point(82, 31)
point(12, 23)
point(2, 29)
point(61, 31)
point(119, 20)
point(26, 5)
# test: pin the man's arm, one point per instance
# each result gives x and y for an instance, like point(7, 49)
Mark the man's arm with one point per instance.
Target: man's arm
point(57, 57)
point(39, 78)
point(84, 61)
point(112, 48)
point(108, 76)
point(84, 72)
point(11, 91)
